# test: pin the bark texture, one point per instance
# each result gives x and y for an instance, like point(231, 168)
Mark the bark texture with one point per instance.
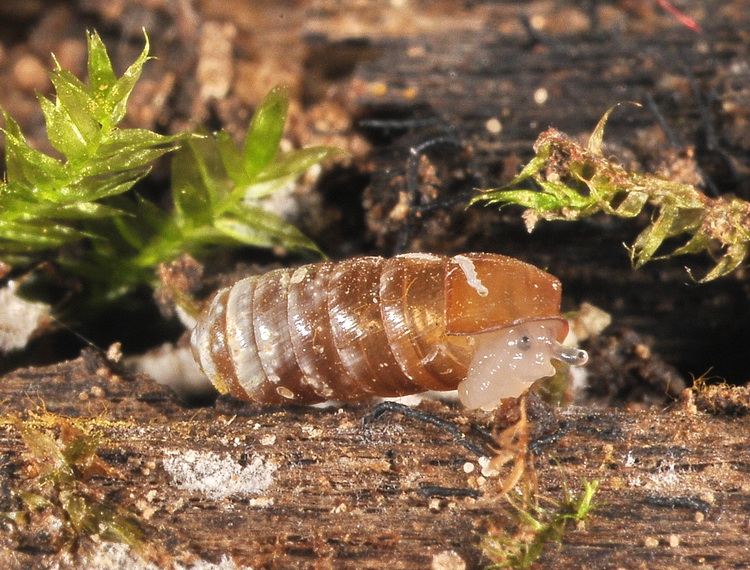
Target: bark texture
point(433, 100)
point(341, 488)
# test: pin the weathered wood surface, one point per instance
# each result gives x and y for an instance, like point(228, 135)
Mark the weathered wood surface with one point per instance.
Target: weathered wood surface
point(346, 491)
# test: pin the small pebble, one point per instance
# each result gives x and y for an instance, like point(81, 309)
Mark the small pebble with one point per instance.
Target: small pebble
point(448, 560)
point(493, 126)
point(30, 74)
point(540, 96)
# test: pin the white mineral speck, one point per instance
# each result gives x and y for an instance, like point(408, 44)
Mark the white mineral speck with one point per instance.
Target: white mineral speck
point(540, 96)
point(493, 125)
point(19, 319)
point(470, 272)
point(218, 475)
point(448, 560)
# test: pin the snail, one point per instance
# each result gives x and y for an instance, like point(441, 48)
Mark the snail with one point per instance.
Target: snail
point(484, 323)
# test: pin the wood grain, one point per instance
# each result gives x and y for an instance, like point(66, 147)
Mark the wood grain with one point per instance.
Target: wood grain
point(351, 491)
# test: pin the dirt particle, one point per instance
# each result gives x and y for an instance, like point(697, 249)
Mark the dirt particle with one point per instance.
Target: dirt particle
point(71, 55)
point(215, 67)
point(269, 439)
point(97, 392)
point(448, 560)
point(642, 351)
point(30, 74)
point(340, 508)
point(416, 51)
point(707, 496)
point(493, 126)
point(311, 431)
point(20, 320)
point(114, 352)
point(540, 96)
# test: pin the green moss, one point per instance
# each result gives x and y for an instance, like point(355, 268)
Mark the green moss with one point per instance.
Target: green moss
point(86, 196)
point(60, 461)
point(577, 181)
point(537, 523)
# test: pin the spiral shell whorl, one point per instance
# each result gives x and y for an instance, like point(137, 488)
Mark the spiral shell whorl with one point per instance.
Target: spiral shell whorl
point(364, 327)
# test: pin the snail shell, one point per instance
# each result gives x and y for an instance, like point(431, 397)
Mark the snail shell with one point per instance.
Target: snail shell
point(483, 323)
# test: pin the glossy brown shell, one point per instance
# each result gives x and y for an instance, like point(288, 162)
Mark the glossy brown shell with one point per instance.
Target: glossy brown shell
point(364, 327)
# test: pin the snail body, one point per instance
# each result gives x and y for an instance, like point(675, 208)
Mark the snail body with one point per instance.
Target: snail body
point(369, 326)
